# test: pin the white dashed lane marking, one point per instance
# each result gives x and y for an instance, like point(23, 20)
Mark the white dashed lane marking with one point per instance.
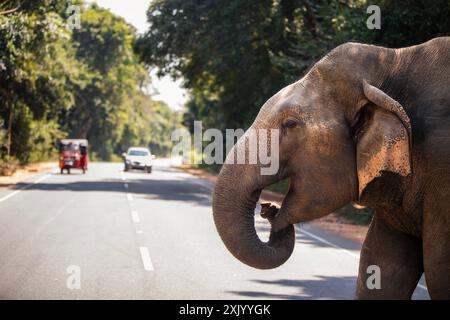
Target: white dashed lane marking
point(145, 255)
point(135, 216)
point(146, 260)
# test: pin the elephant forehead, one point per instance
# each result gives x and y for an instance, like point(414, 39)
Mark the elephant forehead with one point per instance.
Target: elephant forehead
point(302, 99)
point(286, 95)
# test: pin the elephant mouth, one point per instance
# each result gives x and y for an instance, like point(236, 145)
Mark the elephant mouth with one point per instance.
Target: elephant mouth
point(271, 199)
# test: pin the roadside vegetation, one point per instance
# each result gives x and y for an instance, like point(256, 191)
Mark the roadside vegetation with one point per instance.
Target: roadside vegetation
point(60, 82)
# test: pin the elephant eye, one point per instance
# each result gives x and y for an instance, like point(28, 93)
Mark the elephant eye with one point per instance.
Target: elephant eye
point(290, 123)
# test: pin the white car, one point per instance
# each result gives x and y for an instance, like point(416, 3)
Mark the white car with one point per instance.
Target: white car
point(138, 158)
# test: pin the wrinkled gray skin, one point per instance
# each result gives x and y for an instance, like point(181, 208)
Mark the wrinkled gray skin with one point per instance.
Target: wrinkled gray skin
point(366, 124)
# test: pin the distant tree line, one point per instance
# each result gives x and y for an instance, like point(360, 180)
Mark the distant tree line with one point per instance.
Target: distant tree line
point(87, 82)
point(233, 55)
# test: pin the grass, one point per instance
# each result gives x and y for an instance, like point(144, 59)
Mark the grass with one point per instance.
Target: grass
point(358, 216)
point(210, 168)
point(280, 186)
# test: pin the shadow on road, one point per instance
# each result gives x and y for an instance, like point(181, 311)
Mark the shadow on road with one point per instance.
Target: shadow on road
point(321, 288)
point(263, 226)
point(155, 168)
point(167, 189)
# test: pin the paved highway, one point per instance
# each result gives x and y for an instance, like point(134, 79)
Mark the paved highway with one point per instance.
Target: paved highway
point(110, 234)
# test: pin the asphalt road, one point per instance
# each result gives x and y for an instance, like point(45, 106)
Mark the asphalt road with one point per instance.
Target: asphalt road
point(114, 235)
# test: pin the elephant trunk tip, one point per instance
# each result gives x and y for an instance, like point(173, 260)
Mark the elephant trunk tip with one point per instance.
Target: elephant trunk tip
point(235, 222)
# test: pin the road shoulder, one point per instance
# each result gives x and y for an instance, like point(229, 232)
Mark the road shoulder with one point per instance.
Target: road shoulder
point(25, 172)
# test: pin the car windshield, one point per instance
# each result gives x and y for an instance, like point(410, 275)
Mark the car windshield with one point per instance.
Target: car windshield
point(138, 153)
point(70, 147)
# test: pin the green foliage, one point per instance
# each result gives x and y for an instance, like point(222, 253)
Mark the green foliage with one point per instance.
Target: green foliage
point(314, 29)
point(221, 49)
point(42, 139)
point(352, 214)
point(234, 55)
point(117, 113)
point(410, 22)
point(280, 186)
point(81, 83)
point(31, 86)
point(34, 139)
point(152, 125)
point(7, 168)
point(2, 133)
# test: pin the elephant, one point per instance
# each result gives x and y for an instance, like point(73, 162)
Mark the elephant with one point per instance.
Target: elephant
point(368, 125)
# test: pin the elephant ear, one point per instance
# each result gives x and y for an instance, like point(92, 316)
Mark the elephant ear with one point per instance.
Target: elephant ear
point(384, 143)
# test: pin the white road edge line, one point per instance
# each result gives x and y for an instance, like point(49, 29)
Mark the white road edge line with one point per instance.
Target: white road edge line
point(24, 188)
point(135, 216)
point(309, 234)
point(129, 197)
point(146, 260)
point(422, 287)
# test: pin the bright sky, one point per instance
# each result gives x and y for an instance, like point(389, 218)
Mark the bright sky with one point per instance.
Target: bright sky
point(134, 12)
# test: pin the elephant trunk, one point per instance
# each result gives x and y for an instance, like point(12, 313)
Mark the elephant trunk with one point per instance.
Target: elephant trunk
point(234, 200)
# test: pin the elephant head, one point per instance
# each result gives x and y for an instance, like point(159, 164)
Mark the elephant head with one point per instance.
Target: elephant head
point(338, 131)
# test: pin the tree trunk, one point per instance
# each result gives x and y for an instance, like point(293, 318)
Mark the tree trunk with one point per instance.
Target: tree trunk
point(9, 133)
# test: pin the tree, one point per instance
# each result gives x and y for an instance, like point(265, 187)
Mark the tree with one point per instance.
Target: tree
point(221, 48)
point(56, 82)
point(29, 86)
point(410, 22)
point(105, 106)
point(404, 23)
point(234, 55)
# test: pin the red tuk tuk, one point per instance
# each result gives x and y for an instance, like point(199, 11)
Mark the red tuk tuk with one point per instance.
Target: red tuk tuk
point(73, 154)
